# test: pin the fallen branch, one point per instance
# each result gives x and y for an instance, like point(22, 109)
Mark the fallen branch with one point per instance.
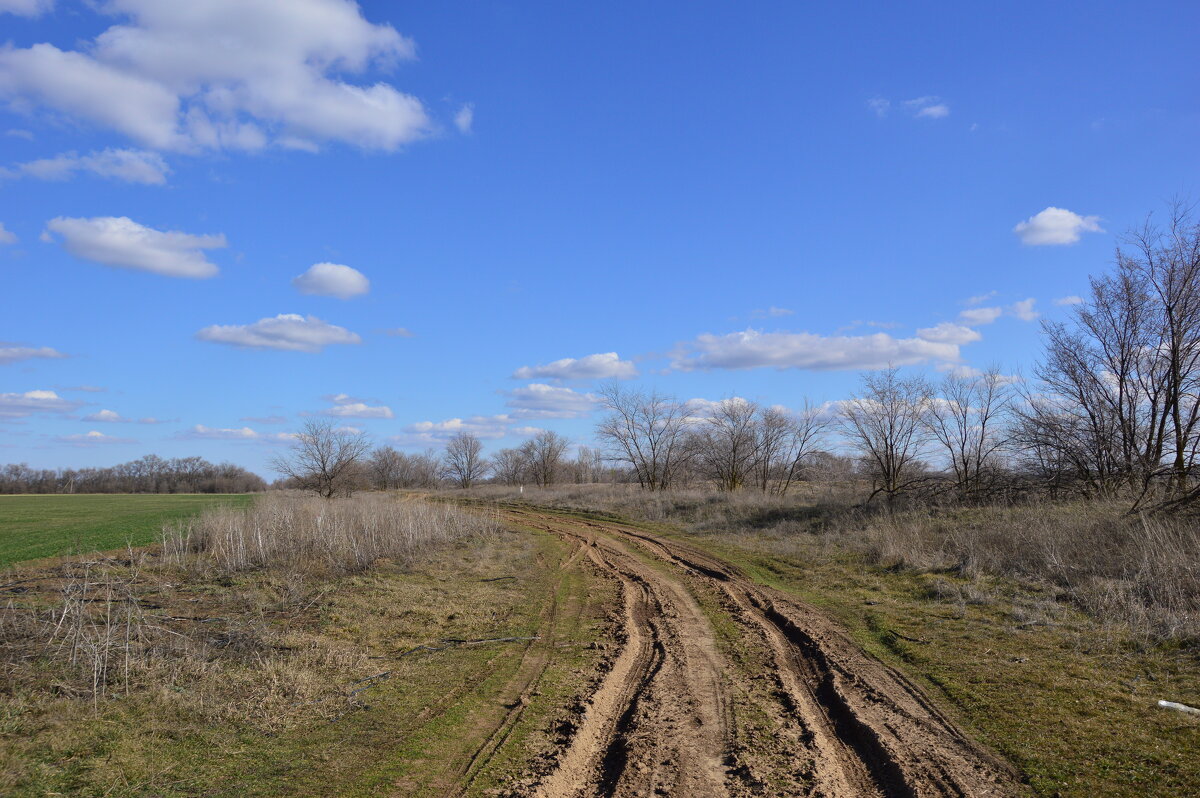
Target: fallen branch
point(1179, 707)
point(894, 633)
point(497, 578)
point(453, 641)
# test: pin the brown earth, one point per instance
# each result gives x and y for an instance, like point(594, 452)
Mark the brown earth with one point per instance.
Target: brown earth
point(722, 687)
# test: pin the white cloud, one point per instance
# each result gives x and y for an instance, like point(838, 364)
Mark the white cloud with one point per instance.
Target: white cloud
point(753, 349)
point(927, 107)
point(26, 8)
point(19, 405)
point(979, 316)
point(1069, 300)
point(201, 432)
point(538, 400)
point(122, 243)
point(606, 365)
point(287, 331)
point(465, 118)
point(349, 407)
point(949, 333)
point(434, 432)
point(879, 105)
point(12, 354)
point(771, 313)
point(92, 438)
point(979, 299)
point(108, 416)
point(19, 133)
point(399, 332)
point(1023, 310)
point(332, 279)
point(1056, 226)
point(130, 166)
point(7, 236)
point(223, 74)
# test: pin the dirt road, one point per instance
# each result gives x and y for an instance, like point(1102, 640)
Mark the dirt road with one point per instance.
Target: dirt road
point(718, 686)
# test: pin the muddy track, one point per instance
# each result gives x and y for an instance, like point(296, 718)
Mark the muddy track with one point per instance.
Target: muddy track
point(662, 721)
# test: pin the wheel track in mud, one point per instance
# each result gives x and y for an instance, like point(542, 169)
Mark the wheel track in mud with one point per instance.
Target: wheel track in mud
point(867, 730)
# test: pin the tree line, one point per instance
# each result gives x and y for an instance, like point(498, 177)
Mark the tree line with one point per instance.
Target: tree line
point(149, 474)
point(1113, 412)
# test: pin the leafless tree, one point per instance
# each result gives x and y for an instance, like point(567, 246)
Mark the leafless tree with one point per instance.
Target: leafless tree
point(800, 436)
point(387, 468)
point(544, 456)
point(509, 467)
point(464, 461)
point(324, 459)
point(885, 426)
point(646, 432)
point(725, 444)
point(966, 420)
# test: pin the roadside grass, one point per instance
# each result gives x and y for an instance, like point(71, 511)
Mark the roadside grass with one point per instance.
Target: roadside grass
point(336, 696)
point(53, 525)
point(1069, 698)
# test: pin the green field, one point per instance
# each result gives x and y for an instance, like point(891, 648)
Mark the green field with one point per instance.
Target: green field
point(52, 525)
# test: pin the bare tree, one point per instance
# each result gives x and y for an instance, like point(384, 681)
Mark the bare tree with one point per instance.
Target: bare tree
point(509, 466)
point(644, 431)
point(726, 443)
point(800, 437)
point(884, 425)
point(544, 455)
point(966, 421)
point(324, 459)
point(464, 461)
point(387, 468)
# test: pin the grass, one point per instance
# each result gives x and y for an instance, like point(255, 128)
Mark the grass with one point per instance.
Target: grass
point(330, 694)
point(35, 526)
point(1068, 696)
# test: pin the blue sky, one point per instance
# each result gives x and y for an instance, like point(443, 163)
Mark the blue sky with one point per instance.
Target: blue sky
point(736, 199)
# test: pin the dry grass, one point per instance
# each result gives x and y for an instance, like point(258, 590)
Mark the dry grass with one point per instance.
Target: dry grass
point(216, 618)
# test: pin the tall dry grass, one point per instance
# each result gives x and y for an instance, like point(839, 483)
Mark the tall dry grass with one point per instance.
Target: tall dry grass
point(206, 623)
point(303, 533)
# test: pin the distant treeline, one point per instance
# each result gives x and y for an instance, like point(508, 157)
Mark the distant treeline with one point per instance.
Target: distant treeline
point(149, 474)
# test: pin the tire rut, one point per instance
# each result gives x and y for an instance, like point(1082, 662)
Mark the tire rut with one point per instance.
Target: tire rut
point(867, 730)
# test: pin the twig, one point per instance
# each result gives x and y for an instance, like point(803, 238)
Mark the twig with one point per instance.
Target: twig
point(497, 578)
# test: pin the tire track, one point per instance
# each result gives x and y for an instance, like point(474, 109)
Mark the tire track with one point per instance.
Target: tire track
point(868, 731)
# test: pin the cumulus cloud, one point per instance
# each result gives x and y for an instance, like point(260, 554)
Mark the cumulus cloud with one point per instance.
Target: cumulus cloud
point(434, 432)
point(977, 317)
point(226, 74)
point(1056, 226)
point(949, 333)
point(348, 407)
point(934, 111)
point(201, 432)
point(782, 350)
point(7, 236)
point(287, 331)
point(19, 405)
point(26, 8)
point(332, 279)
point(13, 354)
point(605, 365)
point(1023, 310)
point(130, 166)
point(92, 438)
point(108, 416)
point(122, 243)
point(538, 400)
point(465, 118)
point(1069, 300)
